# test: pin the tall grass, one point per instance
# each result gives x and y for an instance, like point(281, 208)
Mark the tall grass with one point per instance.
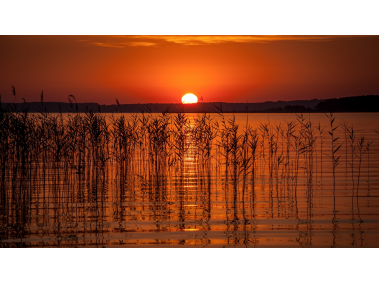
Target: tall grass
point(146, 157)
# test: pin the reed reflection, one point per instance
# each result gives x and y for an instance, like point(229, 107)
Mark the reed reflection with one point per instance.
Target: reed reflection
point(74, 180)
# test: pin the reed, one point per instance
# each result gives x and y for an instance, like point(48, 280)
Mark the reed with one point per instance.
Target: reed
point(334, 156)
point(76, 158)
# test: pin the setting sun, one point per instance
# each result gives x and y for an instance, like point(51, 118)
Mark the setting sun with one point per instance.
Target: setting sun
point(189, 98)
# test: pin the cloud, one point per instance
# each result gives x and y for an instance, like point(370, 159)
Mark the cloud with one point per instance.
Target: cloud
point(152, 40)
point(219, 39)
point(124, 44)
point(102, 44)
point(140, 43)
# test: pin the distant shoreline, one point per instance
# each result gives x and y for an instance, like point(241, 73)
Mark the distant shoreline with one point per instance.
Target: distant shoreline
point(355, 104)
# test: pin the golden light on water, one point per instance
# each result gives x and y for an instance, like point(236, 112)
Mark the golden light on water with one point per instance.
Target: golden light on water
point(189, 98)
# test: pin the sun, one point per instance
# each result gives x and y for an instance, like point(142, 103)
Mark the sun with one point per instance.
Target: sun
point(189, 98)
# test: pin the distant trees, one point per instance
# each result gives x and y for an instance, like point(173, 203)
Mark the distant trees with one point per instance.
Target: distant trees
point(364, 103)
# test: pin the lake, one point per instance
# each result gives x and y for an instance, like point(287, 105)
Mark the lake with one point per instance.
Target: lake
point(194, 180)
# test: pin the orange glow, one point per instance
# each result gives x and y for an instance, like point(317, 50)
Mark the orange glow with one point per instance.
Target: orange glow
point(189, 98)
point(155, 69)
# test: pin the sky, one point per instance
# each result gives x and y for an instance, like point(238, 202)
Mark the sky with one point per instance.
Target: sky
point(161, 69)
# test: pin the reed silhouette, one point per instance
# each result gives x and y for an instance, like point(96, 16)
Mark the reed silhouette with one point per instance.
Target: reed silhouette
point(77, 179)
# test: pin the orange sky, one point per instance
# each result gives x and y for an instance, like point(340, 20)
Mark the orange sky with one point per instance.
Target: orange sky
point(159, 69)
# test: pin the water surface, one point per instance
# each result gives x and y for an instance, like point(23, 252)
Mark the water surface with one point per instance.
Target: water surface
point(154, 183)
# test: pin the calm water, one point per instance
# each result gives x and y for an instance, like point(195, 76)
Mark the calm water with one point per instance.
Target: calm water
point(164, 188)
